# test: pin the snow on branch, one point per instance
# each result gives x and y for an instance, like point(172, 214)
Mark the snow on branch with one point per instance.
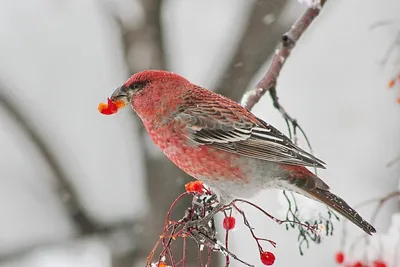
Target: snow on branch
point(288, 42)
point(310, 3)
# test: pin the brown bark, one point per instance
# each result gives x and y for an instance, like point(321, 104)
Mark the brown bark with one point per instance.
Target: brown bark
point(288, 42)
point(257, 44)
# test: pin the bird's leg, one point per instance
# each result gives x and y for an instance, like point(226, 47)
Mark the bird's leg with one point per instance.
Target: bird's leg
point(203, 222)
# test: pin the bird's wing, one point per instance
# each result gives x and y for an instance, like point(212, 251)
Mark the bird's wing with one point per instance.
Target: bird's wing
point(231, 128)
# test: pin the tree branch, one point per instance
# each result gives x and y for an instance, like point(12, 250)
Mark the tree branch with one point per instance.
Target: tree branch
point(288, 42)
point(120, 240)
point(82, 221)
point(147, 39)
point(256, 45)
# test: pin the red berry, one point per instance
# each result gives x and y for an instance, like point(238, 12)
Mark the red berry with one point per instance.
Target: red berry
point(391, 83)
point(229, 223)
point(339, 257)
point(111, 107)
point(267, 258)
point(379, 263)
point(194, 187)
point(358, 264)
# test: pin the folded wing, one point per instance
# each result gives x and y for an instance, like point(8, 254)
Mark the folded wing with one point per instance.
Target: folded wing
point(233, 129)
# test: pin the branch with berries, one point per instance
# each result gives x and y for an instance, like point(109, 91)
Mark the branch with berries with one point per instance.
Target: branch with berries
point(205, 203)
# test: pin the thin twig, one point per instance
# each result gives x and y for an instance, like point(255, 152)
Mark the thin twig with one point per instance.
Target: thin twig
point(251, 229)
point(274, 219)
point(227, 260)
point(198, 235)
point(393, 161)
point(391, 49)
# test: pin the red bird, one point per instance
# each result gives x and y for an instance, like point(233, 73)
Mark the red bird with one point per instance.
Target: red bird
point(217, 141)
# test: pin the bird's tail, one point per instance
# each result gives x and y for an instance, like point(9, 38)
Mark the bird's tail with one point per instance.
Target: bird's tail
point(340, 206)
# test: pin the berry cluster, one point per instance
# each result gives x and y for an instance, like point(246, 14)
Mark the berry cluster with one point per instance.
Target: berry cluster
point(111, 107)
point(229, 222)
point(340, 259)
point(194, 187)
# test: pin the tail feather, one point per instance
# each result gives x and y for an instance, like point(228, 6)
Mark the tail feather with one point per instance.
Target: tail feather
point(340, 206)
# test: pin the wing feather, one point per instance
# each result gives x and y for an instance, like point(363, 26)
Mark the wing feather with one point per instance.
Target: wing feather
point(233, 129)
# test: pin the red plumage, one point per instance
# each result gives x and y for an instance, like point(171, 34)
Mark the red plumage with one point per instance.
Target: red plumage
point(215, 140)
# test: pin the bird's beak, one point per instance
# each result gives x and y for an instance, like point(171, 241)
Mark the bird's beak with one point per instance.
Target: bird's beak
point(120, 94)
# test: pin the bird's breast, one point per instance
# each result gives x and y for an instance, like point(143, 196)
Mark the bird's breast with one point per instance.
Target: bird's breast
point(199, 161)
point(230, 175)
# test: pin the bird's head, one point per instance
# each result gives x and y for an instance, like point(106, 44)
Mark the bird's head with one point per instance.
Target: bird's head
point(148, 91)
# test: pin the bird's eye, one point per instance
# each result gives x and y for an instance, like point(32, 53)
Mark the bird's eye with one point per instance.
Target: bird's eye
point(138, 85)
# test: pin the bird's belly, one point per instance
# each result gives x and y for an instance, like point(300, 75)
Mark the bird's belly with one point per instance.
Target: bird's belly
point(204, 161)
point(230, 174)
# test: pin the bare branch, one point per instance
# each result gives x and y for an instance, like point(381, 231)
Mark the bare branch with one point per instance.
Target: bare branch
point(82, 221)
point(120, 233)
point(393, 161)
point(147, 39)
point(288, 42)
point(258, 42)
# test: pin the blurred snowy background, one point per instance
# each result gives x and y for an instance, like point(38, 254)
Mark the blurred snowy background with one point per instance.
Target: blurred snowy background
point(81, 189)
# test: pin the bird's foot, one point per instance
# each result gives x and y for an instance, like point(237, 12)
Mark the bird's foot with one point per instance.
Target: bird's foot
point(205, 223)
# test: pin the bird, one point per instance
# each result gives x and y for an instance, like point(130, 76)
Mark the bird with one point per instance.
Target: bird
point(217, 141)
